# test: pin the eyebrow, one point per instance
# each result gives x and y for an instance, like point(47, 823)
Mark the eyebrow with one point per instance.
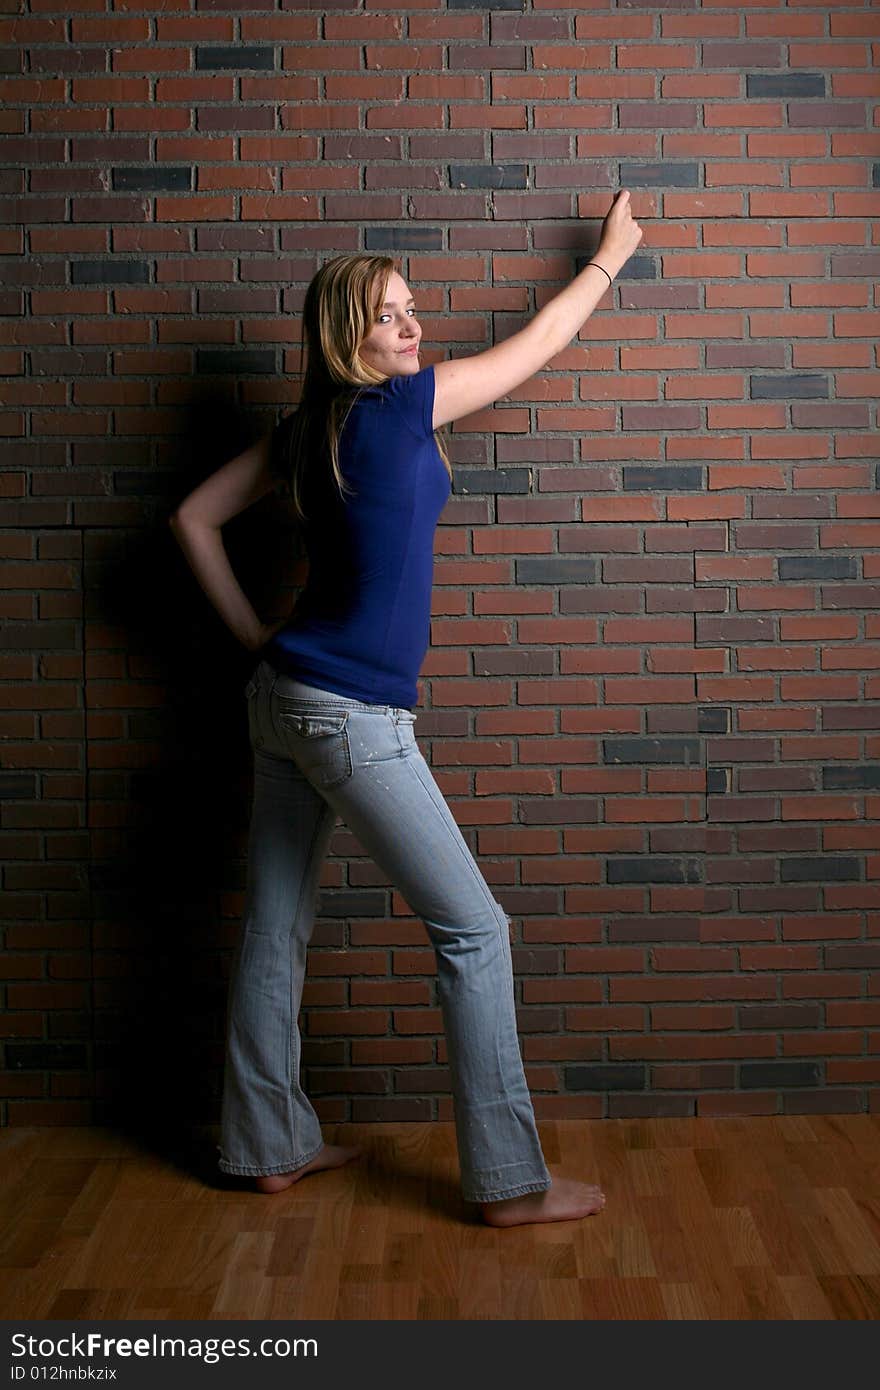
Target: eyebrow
point(390, 303)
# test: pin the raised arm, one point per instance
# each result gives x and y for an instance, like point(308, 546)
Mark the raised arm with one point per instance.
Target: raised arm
point(468, 384)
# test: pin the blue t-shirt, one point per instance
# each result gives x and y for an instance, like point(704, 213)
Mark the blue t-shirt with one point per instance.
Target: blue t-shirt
point(361, 626)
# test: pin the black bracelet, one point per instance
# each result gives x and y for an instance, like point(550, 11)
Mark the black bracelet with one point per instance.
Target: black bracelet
point(602, 268)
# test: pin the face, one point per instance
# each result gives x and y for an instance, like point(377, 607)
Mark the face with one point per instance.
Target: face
point(392, 345)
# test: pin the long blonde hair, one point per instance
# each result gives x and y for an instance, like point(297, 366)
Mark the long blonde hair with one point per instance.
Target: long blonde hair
point(340, 307)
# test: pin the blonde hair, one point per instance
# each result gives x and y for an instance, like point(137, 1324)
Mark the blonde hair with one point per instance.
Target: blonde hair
point(341, 304)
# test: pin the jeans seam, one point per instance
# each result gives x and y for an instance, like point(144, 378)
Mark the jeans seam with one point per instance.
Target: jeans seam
point(542, 1184)
point(290, 969)
point(504, 1194)
point(253, 1170)
point(466, 858)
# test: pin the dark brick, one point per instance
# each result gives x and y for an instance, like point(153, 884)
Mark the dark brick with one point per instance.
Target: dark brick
point(667, 174)
point(641, 930)
point(109, 273)
point(824, 867)
point(713, 719)
point(70, 362)
point(652, 870)
point(718, 780)
point(18, 786)
point(430, 1079)
point(817, 567)
point(414, 238)
point(318, 1053)
point(439, 723)
point(788, 386)
point(636, 268)
point(238, 58)
point(135, 483)
point(46, 637)
point(837, 777)
point(662, 478)
point(332, 1081)
point(876, 175)
point(532, 1020)
point(236, 361)
point(36, 1055)
point(70, 60)
point(488, 176)
point(652, 750)
point(551, 569)
point(366, 902)
point(535, 960)
point(235, 116)
point(864, 955)
point(785, 84)
point(605, 1076)
point(524, 902)
point(769, 1076)
point(153, 178)
point(506, 480)
point(773, 1016)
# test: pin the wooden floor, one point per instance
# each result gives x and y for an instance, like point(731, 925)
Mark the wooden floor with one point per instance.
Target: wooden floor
point(756, 1218)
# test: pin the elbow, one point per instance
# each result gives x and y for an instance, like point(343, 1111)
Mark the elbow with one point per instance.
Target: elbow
point(186, 523)
point(179, 521)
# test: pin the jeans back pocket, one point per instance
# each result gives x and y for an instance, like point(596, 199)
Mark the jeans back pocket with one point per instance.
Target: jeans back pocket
point(318, 744)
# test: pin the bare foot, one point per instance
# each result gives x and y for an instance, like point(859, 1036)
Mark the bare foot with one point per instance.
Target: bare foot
point(565, 1200)
point(331, 1156)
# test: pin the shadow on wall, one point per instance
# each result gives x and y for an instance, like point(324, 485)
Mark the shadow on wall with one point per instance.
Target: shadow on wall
point(169, 802)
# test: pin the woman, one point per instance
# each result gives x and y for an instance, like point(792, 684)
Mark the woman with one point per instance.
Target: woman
point(331, 721)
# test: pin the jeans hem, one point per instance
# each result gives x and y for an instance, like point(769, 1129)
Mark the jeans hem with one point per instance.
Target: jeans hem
point(507, 1192)
point(249, 1170)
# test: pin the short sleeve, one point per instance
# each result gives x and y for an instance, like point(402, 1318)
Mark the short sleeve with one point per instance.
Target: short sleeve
point(414, 398)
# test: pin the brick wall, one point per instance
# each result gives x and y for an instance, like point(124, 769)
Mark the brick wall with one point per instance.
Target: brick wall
point(651, 697)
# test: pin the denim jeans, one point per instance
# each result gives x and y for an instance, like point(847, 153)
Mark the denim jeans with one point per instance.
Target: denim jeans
point(318, 755)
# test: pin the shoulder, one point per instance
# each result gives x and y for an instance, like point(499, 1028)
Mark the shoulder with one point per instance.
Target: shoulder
point(412, 396)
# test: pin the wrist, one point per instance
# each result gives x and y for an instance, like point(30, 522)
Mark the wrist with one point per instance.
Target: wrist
point(608, 261)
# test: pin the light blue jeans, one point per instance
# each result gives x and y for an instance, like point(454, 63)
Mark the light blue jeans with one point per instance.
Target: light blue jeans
point(318, 755)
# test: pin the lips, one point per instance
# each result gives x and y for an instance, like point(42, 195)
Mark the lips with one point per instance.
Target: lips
point(410, 351)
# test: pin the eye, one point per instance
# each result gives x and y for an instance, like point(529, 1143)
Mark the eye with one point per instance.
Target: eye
point(410, 310)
